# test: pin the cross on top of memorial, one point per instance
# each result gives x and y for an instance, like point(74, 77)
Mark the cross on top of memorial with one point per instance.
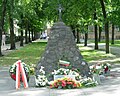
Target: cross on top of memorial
point(60, 12)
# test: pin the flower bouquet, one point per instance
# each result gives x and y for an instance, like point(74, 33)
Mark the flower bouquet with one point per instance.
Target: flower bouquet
point(106, 67)
point(12, 71)
point(96, 69)
point(62, 72)
point(41, 79)
point(65, 83)
point(88, 82)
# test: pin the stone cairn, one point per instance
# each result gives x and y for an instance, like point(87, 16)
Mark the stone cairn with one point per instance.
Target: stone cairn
point(61, 46)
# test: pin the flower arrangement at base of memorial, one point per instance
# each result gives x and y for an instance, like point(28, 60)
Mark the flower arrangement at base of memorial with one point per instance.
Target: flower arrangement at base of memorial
point(65, 83)
point(32, 69)
point(88, 82)
point(12, 71)
point(106, 67)
point(99, 71)
point(41, 79)
point(96, 69)
point(63, 71)
point(100, 68)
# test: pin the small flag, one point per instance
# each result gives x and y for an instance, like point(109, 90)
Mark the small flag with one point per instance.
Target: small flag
point(64, 63)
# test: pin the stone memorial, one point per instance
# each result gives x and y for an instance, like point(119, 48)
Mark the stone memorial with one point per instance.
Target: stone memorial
point(61, 46)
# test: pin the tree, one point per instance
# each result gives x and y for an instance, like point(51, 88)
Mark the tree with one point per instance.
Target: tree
point(2, 17)
point(12, 35)
point(95, 29)
point(114, 17)
point(106, 25)
point(21, 31)
point(86, 36)
point(113, 32)
point(100, 31)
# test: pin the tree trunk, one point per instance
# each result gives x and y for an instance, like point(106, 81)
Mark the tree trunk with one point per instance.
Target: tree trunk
point(106, 26)
point(78, 36)
point(21, 31)
point(35, 35)
point(86, 37)
point(29, 35)
point(4, 3)
point(26, 38)
point(96, 38)
point(26, 30)
point(100, 31)
point(12, 35)
point(21, 38)
point(95, 29)
point(73, 31)
point(113, 28)
point(32, 33)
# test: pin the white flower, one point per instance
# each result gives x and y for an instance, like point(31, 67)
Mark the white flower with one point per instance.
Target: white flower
point(91, 67)
point(41, 80)
point(98, 67)
point(42, 67)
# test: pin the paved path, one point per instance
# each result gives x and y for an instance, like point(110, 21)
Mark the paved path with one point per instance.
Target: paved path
point(110, 86)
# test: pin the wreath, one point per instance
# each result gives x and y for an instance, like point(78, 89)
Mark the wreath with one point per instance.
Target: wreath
point(12, 71)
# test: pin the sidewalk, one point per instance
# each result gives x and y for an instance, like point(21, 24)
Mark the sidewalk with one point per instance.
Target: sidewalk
point(110, 85)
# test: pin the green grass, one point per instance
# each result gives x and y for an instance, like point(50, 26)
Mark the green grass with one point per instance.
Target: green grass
point(31, 54)
point(91, 55)
point(116, 43)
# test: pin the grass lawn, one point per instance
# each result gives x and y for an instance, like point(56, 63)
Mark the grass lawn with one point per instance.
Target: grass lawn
point(31, 54)
point(116, 43)
point(96, 56)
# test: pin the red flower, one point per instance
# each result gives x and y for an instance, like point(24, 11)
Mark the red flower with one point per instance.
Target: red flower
point(13, 76)
point(51, 86)
point(106, 69)
point(55, 84)
point(74, 85)
point(63, 83)
point(70, 83)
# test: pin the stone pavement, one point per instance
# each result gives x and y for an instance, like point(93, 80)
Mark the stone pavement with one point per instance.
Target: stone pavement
point(110, 86)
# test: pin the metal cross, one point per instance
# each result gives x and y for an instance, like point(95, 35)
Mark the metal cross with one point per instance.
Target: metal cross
point(60, 12)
